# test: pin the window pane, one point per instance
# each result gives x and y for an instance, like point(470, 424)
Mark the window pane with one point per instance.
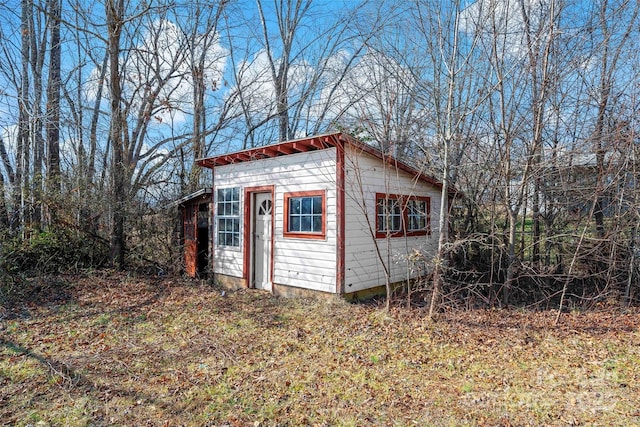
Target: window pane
point(317, 224)
point(306, 205)
point(396, 223)
point(317, 205)
point(395, 207)
point(389, 215)
point(305, 223)
point(294, 206)
point(294, 223)
point(417, 215)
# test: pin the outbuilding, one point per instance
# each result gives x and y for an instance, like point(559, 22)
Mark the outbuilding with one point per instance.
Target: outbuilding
point(194, 232)
point(327, 213)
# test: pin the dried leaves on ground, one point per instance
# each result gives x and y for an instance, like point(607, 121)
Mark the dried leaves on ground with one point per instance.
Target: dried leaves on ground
point(117, 350)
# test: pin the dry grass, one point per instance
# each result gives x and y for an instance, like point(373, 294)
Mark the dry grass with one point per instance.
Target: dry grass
point(116, 350)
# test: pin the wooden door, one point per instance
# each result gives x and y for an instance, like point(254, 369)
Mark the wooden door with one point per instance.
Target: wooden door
point(190, 240)
point(262, 226)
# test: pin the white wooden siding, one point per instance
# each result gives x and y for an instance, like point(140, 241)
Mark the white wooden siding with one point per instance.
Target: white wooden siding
point(304, 263)
point(365, 176)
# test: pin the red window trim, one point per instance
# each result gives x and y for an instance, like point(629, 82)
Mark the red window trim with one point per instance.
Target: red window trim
point(404, 199)
point(306, 234)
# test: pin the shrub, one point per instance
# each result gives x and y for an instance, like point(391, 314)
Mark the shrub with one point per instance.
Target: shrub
point(52, 251)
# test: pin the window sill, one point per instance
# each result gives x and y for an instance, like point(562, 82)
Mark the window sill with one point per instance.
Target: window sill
point(383, 235)
point(313, 236)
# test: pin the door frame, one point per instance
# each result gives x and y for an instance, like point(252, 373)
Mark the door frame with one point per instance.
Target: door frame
point(203, 241)
point(195, 239)
point(249, 223)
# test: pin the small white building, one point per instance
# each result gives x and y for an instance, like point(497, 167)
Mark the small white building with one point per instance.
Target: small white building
point(326, 213)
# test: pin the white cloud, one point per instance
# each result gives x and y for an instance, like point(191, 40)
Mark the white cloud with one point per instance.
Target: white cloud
point(256, 84)
point(255, 80)
point(371, 88)
point(161, 63)
point(504, 21)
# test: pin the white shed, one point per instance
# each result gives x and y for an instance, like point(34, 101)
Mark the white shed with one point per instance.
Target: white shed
point(326, 213)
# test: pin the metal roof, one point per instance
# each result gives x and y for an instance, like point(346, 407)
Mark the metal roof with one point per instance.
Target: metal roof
point(183, 200)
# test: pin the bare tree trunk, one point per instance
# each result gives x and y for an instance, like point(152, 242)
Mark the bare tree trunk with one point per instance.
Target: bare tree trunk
point(115, 11)
point(452, 68)
point(4, 217)
point(635, 247)
point(610, 55)
point(95, 115)
point(38, 40)
point(511, 257)
point(598, 136)
point(289, 14)
point(53, 112)
point(21, 188)
point(6, 220)
point(199, 123)
point(443, 234)
point(199, 45)
point(540, 82)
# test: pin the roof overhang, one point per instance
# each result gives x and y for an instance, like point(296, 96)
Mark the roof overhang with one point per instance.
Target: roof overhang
point(200, 194)
point(319, 142)
point(301, 145)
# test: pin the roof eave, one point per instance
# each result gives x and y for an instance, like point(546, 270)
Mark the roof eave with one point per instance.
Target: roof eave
point(319, 142)
point(188, 197)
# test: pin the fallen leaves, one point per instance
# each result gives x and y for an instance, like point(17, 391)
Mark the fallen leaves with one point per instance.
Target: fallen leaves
point(144, 351)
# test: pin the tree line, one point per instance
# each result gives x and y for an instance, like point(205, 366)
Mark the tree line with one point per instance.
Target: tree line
point(528, 108)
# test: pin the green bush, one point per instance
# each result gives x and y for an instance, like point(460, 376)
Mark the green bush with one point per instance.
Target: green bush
point(48, 252)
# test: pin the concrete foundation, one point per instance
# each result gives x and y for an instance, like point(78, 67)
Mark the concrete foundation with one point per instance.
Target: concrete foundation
point(233, 283)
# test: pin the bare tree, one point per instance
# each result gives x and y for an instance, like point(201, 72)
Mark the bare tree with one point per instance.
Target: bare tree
point(4, 214)
point(288, 72)
point(200, 31)
point(289, 14)
point(53, 108)
point(115, 11)
point(450, 51)
point(610, 48)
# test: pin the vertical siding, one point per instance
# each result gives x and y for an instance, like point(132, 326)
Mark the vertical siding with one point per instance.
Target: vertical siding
point(304, 263)
point(365, 176)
